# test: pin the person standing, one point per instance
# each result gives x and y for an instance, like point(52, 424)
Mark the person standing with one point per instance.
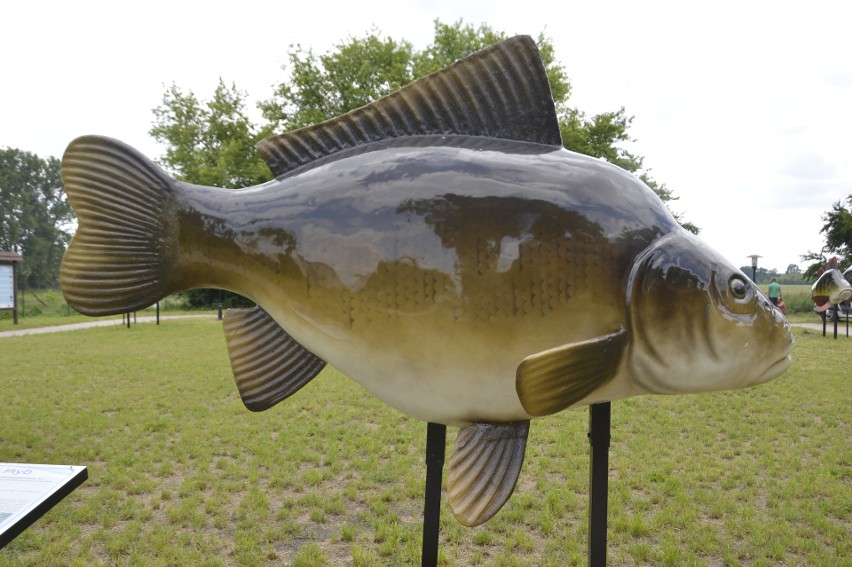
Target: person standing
point(774, 292)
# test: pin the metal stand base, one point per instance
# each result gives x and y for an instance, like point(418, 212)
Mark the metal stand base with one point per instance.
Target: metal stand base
point(599, 435)
point(436, 441)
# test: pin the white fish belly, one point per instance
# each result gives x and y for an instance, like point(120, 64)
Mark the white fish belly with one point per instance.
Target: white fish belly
point(444, 377)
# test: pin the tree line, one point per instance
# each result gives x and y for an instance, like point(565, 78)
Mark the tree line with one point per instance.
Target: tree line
point(35, 217)
point(793, 275)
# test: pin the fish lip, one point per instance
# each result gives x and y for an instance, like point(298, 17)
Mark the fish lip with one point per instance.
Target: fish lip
point(777, 368)
point(843, 296)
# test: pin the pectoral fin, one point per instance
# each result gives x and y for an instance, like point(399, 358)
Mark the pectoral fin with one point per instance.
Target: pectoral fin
point(268, 364)
point(484, 468)
point(555, 379)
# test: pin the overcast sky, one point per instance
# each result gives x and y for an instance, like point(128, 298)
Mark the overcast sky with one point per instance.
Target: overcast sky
point(743, 109)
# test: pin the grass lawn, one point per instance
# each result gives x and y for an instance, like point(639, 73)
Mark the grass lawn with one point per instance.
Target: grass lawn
point(47, 308)
point(180, 473)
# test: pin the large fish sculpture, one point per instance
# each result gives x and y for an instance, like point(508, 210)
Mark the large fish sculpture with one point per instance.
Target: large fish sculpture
point(831, 288)
point(443, 249)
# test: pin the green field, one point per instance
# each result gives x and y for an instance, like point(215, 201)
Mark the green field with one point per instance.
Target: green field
point(182, 474)
point(47, 308)
point(797, 298)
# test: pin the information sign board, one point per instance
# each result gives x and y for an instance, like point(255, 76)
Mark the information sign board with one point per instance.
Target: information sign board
point(7, 287)
point(28, 491)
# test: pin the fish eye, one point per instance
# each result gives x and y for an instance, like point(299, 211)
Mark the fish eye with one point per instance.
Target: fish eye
point(739, 288)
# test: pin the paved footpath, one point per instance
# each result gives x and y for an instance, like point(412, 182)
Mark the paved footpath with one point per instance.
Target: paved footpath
point(829, 328)
point(90, 324)
point(813, 326)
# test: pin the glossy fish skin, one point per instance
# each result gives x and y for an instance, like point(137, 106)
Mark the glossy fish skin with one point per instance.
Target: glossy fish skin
point(718, 331)
point(441, 248)
point(416, 263)
point(416, 268)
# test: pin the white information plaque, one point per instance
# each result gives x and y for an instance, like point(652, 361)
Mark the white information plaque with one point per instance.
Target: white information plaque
point(28, 491)
point(7, 287)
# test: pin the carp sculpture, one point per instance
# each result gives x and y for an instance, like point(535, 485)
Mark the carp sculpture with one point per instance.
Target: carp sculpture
point(831, 288)
point(440, 247)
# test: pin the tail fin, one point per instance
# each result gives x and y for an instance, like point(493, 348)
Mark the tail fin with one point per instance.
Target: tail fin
point(117, 258)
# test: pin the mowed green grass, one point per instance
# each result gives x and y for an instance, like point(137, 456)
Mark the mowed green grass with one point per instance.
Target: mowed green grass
point(182, 474)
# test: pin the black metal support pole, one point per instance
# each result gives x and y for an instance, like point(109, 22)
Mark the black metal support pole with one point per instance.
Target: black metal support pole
point(599, 434)
point(436, 441)
point(158, 312)
point(823, 322)
point(835, 318)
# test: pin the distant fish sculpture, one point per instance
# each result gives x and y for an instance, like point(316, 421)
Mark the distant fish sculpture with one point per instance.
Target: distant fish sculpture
point(443, 249)
point(831, 288)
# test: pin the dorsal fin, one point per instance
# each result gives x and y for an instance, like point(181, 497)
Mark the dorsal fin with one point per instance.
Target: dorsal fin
point(499, 92)
point(268, 364)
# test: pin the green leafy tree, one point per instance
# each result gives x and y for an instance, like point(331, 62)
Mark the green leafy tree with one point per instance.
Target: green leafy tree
point(321, 87)
point(363, 69)
point(34, 215)
point(210, 142)
point(837, 229)
point(762, 275)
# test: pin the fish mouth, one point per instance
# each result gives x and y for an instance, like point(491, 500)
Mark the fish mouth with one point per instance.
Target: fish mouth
point(777, 368)
point(842, 296)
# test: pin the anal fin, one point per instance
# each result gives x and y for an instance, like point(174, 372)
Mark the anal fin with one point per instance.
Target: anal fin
point(484, 468)
point(550, 381)
point(268, 364)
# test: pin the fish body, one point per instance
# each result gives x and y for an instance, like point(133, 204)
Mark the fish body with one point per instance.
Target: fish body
point(450, 256)
point(418, 270)
point(831, 288)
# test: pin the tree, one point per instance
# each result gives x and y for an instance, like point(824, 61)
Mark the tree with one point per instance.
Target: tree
point(33, 214)
point(360, 70)
point(838, 239)
point(354, 73)
point(762, 275)
point(210, 142)
point(322, 87)
point(792, 269)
